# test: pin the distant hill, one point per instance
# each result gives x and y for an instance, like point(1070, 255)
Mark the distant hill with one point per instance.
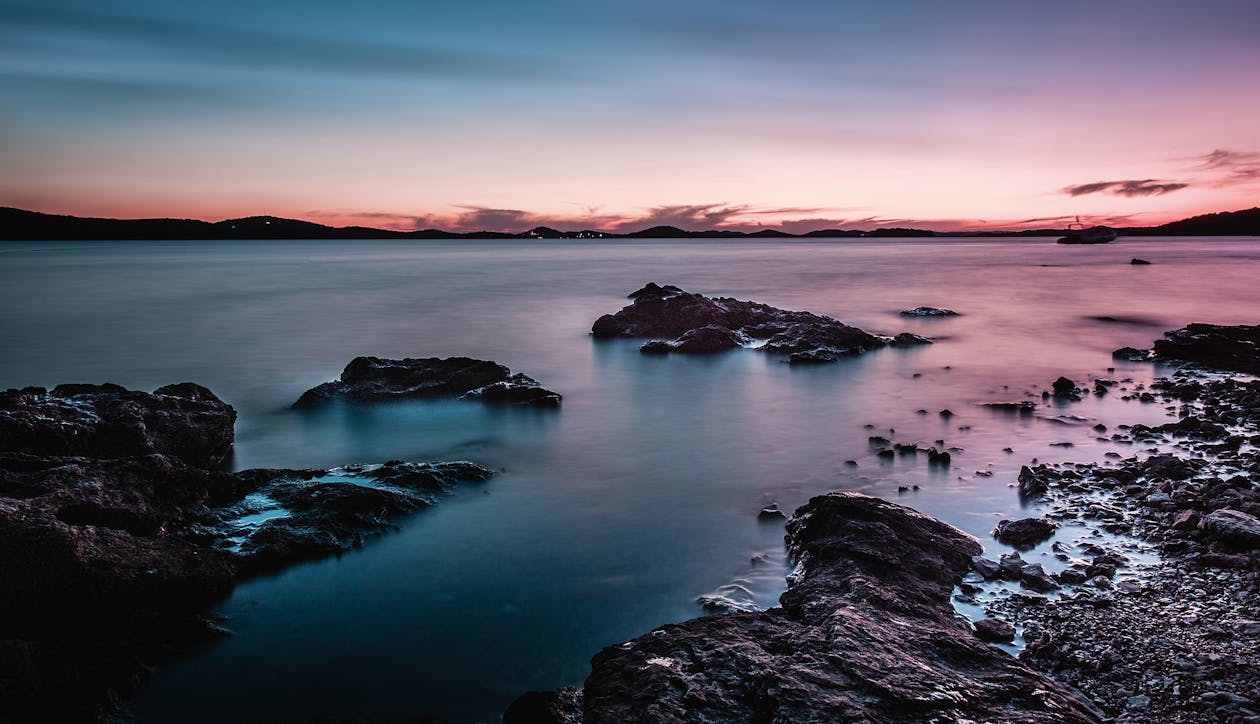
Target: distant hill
point(20, 225)
point(1225, 223)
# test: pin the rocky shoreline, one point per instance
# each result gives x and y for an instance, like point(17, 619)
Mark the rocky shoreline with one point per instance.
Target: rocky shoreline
point(1175, 641)
point(865, 632)
point(117, 530)
point(116, 533)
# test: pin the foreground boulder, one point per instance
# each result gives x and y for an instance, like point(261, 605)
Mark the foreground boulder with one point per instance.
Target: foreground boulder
point(108, 554)
point(865, 632)
point(373, 379)
point(679, 321)
point(185, 421)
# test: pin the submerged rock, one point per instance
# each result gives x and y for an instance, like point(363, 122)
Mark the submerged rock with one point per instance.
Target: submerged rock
point(372, 379)
point(865, 632)
point(185, 421)
point(905, 339)
point(678, 321)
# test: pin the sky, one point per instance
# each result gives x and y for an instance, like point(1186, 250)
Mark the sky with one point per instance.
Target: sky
point(504, 115)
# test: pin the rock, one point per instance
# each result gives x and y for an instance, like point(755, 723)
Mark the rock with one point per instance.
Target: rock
point(1024, 407)
point(905, 339)
point(995, 630)
point(928, 312)
point(1139, 702)
point(373, 379)
point(185, 421)
point(1186, 520)
point(987, 569)
point(669, 313)
point(562, 706)
point(1024, 533)
point(938, 457)
point(1233, 348)
point(702, 340)
point(865, 632)
point(1138, 262)
point(1234, 528)
point(771, 512)
point(105, 560)
point(1132, 354)
point(652, 290)
point(1033, 576)
point(1064, 387)
point(1035, 482)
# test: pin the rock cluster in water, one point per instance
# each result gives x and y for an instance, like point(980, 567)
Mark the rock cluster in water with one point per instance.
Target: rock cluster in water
point(865, 632)
point(115, 532)
point(1233, 348)
point(373, 379)
point(678, 321)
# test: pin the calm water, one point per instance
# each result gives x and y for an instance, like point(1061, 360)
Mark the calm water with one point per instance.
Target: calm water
point(611, 515)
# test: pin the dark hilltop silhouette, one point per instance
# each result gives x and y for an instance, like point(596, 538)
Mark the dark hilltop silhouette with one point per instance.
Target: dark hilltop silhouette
point(21, 225)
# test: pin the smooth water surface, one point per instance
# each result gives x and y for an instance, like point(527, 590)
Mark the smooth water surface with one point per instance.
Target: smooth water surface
point(612, 514)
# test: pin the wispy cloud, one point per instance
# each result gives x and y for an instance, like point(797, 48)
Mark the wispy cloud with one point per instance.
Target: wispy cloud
point(1129, 188)
point(1237, 166)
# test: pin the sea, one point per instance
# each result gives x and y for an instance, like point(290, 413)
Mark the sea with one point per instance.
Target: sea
point(617, 512)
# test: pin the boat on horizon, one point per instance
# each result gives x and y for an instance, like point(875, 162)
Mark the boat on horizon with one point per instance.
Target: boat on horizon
point(1076, 233)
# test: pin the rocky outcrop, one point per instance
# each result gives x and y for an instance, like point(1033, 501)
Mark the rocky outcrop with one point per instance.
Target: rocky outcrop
point(1232, 348)
point(928, 312)
point(111, 541)
point(679, 321)
point(185, 421)
point(865, 632)
point(373, 379)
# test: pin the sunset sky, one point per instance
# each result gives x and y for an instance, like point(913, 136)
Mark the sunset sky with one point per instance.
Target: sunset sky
point(504, 115)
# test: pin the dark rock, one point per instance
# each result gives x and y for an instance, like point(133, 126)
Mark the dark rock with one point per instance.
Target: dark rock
point(1033, 576)
point(106, 560)
point(928, 312)
point(938, 457)
point(1234, 348)
point(1234, 528)
point(372, 379)
point(995, 630)
point(707, 339)
point(656, 346)
point(652, 290)
point(1064, 387)
point(671, 314)
point(1022, 406)
point(562, 706)
point(865, 632)
point(987, 569)
point(1024, 533)
point(905, 339)
point(185, 421)
point(1033, 482)
point(1138, 262)
point(1132, 354)
point(771, 512)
